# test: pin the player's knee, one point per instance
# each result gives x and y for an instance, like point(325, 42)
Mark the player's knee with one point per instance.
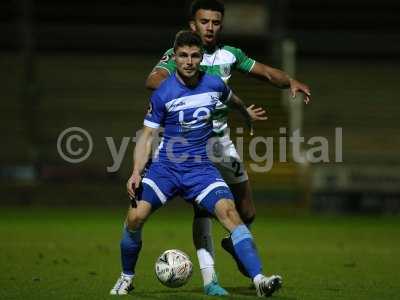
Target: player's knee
point(135, 220)
point(132, 223)
point(226, 210)
point(137, 216)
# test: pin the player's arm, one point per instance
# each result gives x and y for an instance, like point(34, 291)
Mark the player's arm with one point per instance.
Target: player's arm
point(155, 78)
point(142, 150)
point(250, 113)
point(264, 72)
point(165, 67)
point(152, 122)
point(280, 79)
point(141, 155)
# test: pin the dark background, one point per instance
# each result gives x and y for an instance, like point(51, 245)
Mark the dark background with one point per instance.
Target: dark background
point(84, 63)
point(333, 28)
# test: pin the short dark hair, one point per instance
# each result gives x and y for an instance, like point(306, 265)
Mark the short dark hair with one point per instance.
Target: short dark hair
point(215, 5)
point(187, 38)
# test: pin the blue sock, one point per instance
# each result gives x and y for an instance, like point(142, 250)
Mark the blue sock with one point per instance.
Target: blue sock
point(246, 250)
point(131, 243)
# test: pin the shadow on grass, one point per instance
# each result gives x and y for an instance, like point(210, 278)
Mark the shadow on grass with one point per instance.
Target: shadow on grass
point(197, 293)
point(249, 292)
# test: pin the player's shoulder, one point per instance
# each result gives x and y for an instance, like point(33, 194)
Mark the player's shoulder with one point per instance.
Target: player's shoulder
point(166, 62)
point(212, 78)
point(237, 57)
point(170, 51)
point(213, 81)
point(167, 55)
point(235, 51)
point(163, 92)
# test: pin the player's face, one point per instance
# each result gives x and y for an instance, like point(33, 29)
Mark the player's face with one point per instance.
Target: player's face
point(208, 24)
point(188, 59)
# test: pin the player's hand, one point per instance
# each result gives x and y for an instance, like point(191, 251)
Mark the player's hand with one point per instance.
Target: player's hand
point(257, 113)
point(133, 183)
point(297, 86)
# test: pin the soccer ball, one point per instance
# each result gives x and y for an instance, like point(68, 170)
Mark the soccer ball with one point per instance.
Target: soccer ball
point(173, 268)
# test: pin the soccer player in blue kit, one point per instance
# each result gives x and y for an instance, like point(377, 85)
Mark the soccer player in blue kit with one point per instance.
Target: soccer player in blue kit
point(220, 59)
point(183, 105)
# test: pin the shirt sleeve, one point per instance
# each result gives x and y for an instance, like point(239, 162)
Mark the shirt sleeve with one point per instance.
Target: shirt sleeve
point(166, 62)
point(156, 112)
point(243, 62)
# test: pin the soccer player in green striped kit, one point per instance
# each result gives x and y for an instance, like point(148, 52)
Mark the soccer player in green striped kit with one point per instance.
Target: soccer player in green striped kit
point(206, 17)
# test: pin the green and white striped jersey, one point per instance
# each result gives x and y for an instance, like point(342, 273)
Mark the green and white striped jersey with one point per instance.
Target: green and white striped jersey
point(221, 63)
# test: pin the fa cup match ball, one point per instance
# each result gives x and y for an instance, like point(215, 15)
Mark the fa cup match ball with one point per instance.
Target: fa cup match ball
point(173, 268)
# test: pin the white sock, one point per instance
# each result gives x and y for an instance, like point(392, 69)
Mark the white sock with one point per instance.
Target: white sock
point(206, 263)
point(205, 248)
point(257, 278)
point(127, 275)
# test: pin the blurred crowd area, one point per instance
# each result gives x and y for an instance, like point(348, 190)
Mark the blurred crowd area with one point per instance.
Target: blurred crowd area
point(83, 64)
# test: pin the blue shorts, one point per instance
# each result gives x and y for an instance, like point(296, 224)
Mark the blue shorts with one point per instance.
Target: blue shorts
point(200, 183)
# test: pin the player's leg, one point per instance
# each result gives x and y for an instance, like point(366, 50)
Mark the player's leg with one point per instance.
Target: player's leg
point(202, 239)
point(195, 181)
point(244, 201)
point(228, 216)
point(243, 242)
point(131, 244)
point(226, 213)
point(246, 209)
point(234, 173)
point(206, 187)
point(153, 196)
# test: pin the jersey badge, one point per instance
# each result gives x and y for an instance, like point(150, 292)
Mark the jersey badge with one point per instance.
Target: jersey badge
point(225, 70)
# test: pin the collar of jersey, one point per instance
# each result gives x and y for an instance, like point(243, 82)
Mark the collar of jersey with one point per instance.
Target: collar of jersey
point(216, 48)
point(202, 73)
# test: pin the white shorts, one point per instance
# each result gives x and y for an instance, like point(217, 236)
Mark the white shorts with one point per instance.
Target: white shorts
point(228, 161)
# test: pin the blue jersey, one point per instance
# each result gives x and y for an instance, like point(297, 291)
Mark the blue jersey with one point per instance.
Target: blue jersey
point(185, 114)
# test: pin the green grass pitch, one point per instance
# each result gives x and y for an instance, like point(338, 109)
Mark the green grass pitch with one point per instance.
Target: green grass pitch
point(64, 253)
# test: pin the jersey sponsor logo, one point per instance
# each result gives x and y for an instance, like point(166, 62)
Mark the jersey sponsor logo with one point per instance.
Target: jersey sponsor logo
point(175, 105)
point(199, 119)
point(193, 101)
